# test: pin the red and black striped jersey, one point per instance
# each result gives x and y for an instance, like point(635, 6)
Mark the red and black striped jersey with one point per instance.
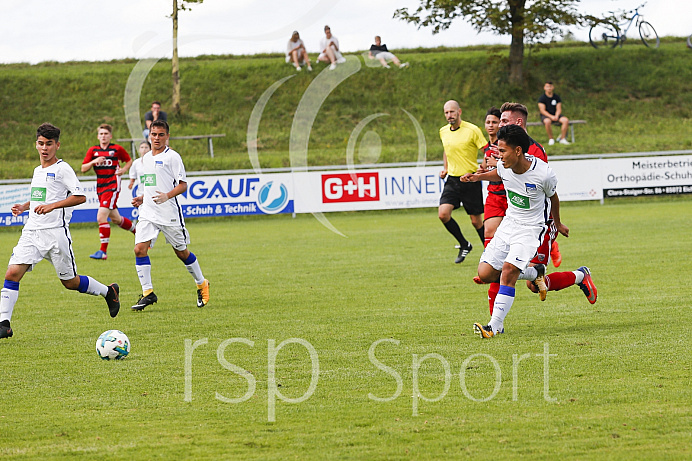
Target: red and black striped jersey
point(106, 180)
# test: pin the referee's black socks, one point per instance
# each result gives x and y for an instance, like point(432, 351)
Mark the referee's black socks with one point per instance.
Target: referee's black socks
point(454, 229)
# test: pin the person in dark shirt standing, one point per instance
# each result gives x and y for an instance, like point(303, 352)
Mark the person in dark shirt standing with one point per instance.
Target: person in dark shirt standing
point(550, 107)
point(381, 53)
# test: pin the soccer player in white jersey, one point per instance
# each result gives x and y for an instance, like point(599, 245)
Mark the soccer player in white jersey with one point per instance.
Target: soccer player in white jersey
point(162, 178)
point(55, 190)
point(531, 194)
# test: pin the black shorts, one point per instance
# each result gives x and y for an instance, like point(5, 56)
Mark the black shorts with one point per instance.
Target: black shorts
point(543, 117)
point(468, 194)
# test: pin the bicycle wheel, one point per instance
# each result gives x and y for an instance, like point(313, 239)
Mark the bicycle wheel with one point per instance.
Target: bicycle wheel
point(604, 35)
point(648, 35)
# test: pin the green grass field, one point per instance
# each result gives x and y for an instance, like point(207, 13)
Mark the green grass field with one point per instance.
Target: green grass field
point(619, 371)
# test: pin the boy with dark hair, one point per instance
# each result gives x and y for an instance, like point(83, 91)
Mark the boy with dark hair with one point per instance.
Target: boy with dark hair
point(162, 179)
point(105, 158)
point(55, 190)
point(531, 194)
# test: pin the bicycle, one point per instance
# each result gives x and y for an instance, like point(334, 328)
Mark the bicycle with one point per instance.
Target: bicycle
point(606, 34)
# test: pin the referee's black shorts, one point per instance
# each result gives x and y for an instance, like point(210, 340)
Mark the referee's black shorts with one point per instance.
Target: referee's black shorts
point(468, 194)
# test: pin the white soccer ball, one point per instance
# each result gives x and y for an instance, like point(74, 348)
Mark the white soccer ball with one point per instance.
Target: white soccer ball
point(113, 345)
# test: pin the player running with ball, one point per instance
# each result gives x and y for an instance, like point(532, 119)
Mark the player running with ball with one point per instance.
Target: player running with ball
point(162, 178)
point(531, 195)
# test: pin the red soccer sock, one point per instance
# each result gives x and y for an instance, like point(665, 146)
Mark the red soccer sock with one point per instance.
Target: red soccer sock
point(127, 225)
point(559, 280)
point(485, 242)
point(105, 235)
point(492, 294)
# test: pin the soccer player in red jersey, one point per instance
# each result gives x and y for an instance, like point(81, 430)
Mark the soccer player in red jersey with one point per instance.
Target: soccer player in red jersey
point(105, 158)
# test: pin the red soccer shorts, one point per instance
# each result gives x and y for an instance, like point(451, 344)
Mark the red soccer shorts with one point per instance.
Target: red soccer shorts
point(109, 200)
point(495, 206)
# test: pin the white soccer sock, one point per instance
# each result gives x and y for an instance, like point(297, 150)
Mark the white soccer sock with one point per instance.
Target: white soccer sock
point(144, 274)
point(143, 266)
point(8, 298)
point(91, 286)
point(196, 272)
point(503, 303)
point(530, 273)
point(579, 277)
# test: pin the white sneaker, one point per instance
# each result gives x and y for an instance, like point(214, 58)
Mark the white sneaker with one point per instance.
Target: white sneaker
point(332, 66)
point(309, 68)
point(341, 60)
point(551, 142)
point(564, 141)
point(403, 64)
point(386, 67)
point(298, 69)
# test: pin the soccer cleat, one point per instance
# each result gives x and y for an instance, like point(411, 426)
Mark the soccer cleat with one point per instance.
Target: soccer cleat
point(145, 301)
point(563, 141)
point(485, 331)
point(555, 255)
point(113, 299)
point(332, 66)
point(587, 285)
point(540, 281)
point(203, 293)
point(341, 60)
point(5, 329)
point(99, 255)
point(463, 252)
point(551, 142)
point(403, 65)
point(477, 280)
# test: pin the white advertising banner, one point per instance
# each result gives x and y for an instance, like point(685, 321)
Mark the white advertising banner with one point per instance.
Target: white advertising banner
point(630, 177)
point(377, 189)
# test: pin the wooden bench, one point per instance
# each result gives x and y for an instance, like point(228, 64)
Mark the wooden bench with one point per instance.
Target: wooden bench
point(571, 125)
point(208, 137)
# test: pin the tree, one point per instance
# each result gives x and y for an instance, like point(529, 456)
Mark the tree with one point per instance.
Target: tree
point(175, 65)
point(531, 20)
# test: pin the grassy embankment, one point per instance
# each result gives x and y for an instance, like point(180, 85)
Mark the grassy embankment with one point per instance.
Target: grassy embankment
point(634, 99)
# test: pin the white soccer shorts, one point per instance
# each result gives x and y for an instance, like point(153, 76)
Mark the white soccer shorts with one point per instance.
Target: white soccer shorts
point(513, 243)
point(177, 236)
point(55, 245)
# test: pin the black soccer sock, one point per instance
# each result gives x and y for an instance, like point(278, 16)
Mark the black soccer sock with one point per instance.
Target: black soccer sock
point(481, 233)
point(454, 229)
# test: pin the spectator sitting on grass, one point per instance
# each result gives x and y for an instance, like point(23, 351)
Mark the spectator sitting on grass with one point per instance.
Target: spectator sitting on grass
point(296, 53)
point(381, 53)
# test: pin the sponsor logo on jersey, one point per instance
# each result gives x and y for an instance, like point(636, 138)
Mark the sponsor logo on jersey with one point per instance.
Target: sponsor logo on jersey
point(519, 201)
point(148, 179)
point(350, 187)
point(272, 197)
point(38, 194)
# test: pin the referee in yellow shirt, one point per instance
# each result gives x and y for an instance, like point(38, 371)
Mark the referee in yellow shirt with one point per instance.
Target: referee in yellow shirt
point(461, 141)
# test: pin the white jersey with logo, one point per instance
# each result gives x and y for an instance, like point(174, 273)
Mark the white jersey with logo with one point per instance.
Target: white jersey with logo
point(49, 185)
point(161, 173)
point(135, 169)
point(528, 193)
